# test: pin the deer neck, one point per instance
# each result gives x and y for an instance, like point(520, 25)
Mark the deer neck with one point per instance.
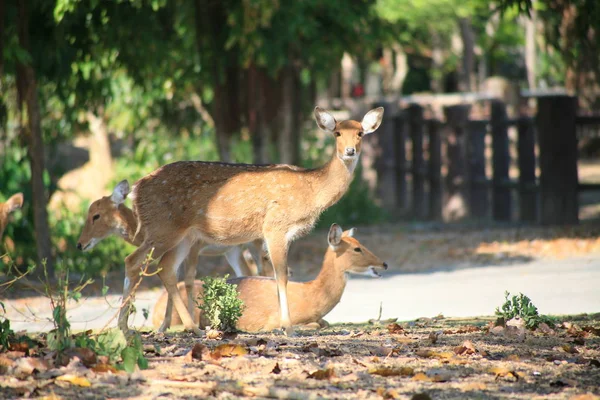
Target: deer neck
point(326, 290)
point(332, 181)
point(127, 225)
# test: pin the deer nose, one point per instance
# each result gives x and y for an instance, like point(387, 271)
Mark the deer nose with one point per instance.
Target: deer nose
point(79, 246)
point(384, 265)
point(350, 151)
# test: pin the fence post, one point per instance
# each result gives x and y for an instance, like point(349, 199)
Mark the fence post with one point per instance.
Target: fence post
point(415, 120)
point(385, 162)
point(456, 203)
point(528, 205)
point(435, 170)
point(400, 159)
point(478, 184)
point(501, 195)
point(558, 159)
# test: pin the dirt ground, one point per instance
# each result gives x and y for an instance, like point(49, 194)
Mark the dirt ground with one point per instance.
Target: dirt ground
point(437, 358)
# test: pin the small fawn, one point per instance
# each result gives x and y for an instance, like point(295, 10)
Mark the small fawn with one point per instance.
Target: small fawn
point(309, 301)
point(11, 205)
point(110, 216)
point(187, 202)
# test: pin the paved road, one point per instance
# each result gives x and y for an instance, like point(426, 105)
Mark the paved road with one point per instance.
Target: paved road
point(557, 287)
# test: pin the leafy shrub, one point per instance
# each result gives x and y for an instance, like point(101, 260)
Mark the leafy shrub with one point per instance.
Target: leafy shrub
point(520, 306)
point(220, 304)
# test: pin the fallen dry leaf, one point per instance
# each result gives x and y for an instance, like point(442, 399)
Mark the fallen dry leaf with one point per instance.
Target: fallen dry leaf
point(390, 371)
point(501, 372)
point(590, 329)
point(513, 357)
point(74, 380)
point(323, 374)
point(466, 348)
point(85, 355)
point(420, 376)
point(434, 354)
point(567, 348)
point(388, 393)
point(102, 367)
point(213, 334)
point(199, 352)
point(394, 328)
point(229, 350)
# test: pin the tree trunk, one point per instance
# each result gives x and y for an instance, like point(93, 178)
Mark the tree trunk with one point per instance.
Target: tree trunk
point(32, 135)
point(530, 53)
point(289, 135)
point(467, 76)
point(437, 63)
point(210, 17)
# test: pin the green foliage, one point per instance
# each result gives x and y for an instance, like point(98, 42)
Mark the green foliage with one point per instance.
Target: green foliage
point(520, 306)
point(220, 303)
point(6, 333)
point(126, 354)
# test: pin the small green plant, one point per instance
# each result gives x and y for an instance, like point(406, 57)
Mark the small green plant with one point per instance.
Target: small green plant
point(220, 303)
point(6, 333)
point(113, 344)
point(520, 306)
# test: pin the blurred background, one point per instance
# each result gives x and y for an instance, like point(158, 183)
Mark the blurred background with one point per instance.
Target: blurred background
point(492, 121)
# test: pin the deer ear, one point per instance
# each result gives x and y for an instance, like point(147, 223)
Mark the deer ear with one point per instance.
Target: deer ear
point(335, 235)
point(120, 193)
point(350, 232)
point(15, 202)
point(372, 120)
point(325, 120)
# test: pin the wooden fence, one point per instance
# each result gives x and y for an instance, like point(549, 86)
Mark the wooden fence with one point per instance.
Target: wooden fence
point(444, 158)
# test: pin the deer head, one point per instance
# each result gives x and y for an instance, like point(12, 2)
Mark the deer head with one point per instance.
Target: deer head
point(104, 218)
point(351, 254)
point(11, 205)
point(349, 134)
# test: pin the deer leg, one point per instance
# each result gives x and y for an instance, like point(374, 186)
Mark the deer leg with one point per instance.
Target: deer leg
point(255, 249)
point(277, 247)
point(168, 275)
point(132, 276)
point(234, 258)
point(191, 264)
point(166, 324)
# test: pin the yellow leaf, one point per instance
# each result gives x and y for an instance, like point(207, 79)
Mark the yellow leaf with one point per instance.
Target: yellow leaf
point(323, 374)
point(230, 350)
point(74, 380)
point(420, 377)
point(387, 371)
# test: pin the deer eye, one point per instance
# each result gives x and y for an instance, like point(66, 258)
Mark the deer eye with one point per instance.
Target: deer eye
point(358, 249)
point(95, 217)
point(337, 134)
point(360, 133)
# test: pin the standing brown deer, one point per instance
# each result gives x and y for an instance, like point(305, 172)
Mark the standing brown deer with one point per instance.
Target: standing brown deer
point(183, 203)
point(109, 216)
point(11, 205)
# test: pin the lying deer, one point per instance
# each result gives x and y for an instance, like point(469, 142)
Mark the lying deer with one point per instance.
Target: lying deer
point(309, 301)
point(11, 205)
point(187, 202)
point(110, 216)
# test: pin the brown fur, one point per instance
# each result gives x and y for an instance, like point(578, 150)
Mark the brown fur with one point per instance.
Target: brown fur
point(11, 205)
point(109, 216)
point(309, 301)
point(182, 203)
